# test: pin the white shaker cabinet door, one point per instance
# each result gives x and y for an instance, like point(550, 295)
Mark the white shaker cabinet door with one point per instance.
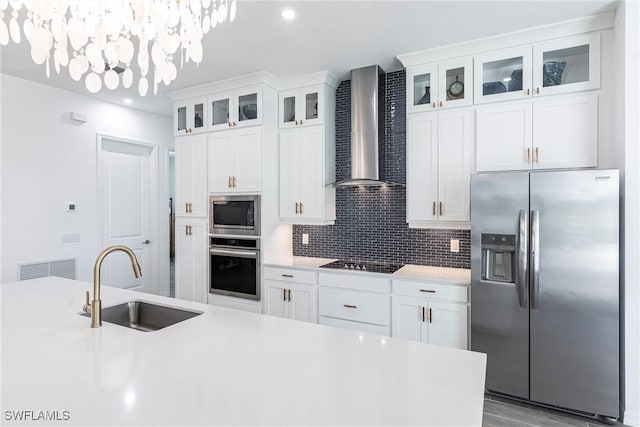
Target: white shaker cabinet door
point(448, 324)
point(276, 298)
point(289, 174)
point(221, 162)
point(565, 132)
point(409, 318)
point(191, 176)
point(311, 172)
point(455, 133)
point(302, 305)
point(422, 166)
point(248, 176)
point(504, 136)
point(192, 242)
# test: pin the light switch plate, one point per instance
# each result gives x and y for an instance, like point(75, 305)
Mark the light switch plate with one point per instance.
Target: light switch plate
point(305, 238)
point(455, 246)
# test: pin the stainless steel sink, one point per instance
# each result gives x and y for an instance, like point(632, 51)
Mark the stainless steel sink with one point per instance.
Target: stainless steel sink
point(145, 316)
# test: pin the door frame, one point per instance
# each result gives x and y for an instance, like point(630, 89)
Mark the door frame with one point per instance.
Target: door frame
point(151, 270)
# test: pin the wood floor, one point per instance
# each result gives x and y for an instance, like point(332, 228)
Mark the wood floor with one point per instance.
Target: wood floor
point(500, 412)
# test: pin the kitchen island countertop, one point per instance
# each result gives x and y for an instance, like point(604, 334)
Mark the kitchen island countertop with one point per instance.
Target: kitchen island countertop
point(222, 367)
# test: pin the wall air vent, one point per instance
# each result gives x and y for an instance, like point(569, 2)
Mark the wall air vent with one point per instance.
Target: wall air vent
point(60, 268)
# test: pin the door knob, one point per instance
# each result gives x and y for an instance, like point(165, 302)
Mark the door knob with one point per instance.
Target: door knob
point(146, 242)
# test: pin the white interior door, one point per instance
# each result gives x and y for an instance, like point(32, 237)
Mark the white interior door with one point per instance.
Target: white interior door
point(126, 216)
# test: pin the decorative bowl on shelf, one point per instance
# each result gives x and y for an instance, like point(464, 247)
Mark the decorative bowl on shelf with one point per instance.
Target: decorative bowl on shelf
point(516, 81)
point(250, 111)
point(493, 87)
point(552, 73)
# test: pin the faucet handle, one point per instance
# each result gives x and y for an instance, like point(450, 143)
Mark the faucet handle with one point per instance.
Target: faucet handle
point(86, 307)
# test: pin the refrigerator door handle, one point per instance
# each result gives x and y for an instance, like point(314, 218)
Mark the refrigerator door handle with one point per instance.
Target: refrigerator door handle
point(523, 258)
point(535, 258)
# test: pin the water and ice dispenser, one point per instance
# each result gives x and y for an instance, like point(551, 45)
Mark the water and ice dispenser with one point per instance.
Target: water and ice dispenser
point(498, 257)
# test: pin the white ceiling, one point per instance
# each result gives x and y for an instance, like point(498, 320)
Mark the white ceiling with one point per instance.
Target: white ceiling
point(326, 35)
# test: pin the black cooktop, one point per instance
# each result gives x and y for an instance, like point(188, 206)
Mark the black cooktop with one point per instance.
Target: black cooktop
point(374, 267)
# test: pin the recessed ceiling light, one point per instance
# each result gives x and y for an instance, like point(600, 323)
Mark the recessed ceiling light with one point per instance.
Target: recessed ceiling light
point(288, 14)
point(128, 101)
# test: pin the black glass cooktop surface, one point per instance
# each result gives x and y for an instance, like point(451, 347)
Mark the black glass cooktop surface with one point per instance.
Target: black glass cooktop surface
point(373, 267)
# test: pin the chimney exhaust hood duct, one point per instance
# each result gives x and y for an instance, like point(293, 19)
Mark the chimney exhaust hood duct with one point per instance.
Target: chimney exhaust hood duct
point(367, 128)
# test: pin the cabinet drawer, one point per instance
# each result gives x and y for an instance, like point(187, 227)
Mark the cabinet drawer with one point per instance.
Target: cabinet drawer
point(355, 326)
point(362, 282)
point(290, 275)
point(354, 305)
point(430, 290)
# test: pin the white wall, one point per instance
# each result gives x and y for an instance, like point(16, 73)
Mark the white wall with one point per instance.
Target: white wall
point(626, 137)
point(47, 161)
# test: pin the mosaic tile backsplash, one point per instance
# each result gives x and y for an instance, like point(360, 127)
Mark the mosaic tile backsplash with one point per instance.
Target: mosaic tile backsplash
point(371, 221)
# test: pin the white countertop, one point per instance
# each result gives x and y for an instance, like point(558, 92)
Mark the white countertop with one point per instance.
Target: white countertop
point(222, 367)
point(457, 276)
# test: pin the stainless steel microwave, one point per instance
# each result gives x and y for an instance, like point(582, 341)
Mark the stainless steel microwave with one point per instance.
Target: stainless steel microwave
point(234, 215)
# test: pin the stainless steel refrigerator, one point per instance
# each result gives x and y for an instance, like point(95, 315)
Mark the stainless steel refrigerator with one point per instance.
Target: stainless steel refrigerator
point(545, 286)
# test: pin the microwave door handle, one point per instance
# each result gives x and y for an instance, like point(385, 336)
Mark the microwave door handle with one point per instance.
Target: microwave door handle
point(239, 254)
point(523, 258)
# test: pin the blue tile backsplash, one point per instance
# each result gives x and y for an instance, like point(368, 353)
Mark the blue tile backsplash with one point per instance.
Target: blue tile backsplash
point(371, 221)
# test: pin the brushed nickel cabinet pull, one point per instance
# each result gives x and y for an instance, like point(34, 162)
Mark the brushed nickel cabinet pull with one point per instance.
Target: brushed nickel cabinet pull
point(428, 290)
point(289, 294)
point(423, 314)
point(288, 275)
point(434, 208)
point(301, 207)
point(440, 208)
point(430, 316)
point(284, 295)
point(350, 306)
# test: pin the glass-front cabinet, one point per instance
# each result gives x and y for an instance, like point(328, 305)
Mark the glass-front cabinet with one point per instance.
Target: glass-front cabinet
point(503, 75)
point(436, 86)
point(242, 107)
point(189, 116)
point(300, 107)
point(567, 65)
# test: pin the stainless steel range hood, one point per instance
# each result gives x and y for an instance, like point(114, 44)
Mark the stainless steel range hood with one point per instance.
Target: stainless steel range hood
point(367, 128)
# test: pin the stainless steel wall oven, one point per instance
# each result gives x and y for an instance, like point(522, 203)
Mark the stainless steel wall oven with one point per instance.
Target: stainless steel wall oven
point(235, 267)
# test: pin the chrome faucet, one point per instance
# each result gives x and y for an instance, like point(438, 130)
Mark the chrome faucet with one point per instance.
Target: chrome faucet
point(95, 307)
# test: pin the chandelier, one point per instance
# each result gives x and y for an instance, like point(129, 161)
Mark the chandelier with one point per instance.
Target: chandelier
point(97, 40)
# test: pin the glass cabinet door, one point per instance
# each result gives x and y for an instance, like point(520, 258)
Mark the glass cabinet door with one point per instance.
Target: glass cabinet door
point(248, 109)
point(422, 93)
point(455, 89)
point(180, 120)
point(288, 109)
point(219, 112)
point(198, 116)
point(311, 103)
point(503, 75)
point(567, 65)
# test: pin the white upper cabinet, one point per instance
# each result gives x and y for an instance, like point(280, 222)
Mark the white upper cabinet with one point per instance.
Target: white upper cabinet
point(560, 66)
point(235, 161)
point(436, 86)
point(554, 133)
point(301, 107)
point(503, 75)
point(191, 176)
point(567, 65)
point(439, 167)
point(237, 108)
point(189, 116)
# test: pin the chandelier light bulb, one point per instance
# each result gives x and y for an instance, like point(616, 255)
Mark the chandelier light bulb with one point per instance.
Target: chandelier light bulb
point(96, 37)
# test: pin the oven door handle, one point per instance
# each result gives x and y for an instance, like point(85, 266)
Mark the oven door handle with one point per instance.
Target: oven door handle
point(240, 254)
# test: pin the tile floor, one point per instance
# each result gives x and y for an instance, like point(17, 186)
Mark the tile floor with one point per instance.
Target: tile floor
point(499, 412)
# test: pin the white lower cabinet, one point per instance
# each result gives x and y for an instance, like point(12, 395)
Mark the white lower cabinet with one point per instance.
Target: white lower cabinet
point(440, 318)
point(360, 303)
point(192, 251)
point(291, 293)
point(291, 300)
